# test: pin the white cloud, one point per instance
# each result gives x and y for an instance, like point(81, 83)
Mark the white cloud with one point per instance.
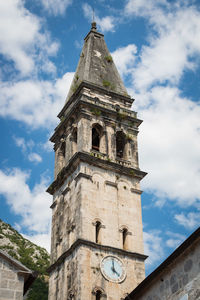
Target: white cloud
point(34, 157)
point(42, 240)
point(48, 146)
point(20, 142)
point(106, 23)
point(170, 145)
point(172, 48)
point(34, 102)
point(169, 138)
point(189, 220)
point(31, 204)
point(175, 239)
point(144, 8)
point(153, 247)
point(56, 7)
point(124, 58)
point(26, 147)
point(22, 40)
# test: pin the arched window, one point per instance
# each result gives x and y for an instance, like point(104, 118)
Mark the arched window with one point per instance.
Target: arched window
point(96, 136)
point(98, 295)
point(62, 148)
point(97, 232)
point(74, 135)
point(60, 157)
point(120, 144)
point(124, 237)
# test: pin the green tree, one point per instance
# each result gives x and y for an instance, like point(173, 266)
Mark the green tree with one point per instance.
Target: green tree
point(39, 289)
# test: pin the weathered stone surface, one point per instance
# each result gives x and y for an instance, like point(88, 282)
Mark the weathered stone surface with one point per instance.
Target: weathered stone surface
point(96, 66)
point(6, 294)
point(183, 276)
point(97, 183)
point(12, 277)
point(10, 282)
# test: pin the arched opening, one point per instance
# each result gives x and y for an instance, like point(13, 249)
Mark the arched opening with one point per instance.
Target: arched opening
point(60, 157)
point(62, 149)
point(120, 144)
point(96, 136)
point(98, 295)
point(124, 237)
point(95, 139)
point(97, 232)
point(74, 141)
point(74, 135)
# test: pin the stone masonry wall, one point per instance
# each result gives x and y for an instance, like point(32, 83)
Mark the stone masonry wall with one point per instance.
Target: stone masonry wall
point(80, 275)
point(11, 284)
point(103, 196)
point(180, 281)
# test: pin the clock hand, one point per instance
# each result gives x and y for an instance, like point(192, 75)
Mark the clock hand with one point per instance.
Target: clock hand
point(114, 271)
point(113, 268)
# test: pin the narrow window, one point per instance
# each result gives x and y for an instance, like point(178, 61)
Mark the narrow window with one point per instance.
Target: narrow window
point(97, 233)
point(62, 149)
point(124, 238)
point(98, 295)
point(74, 136)
point(120, 144)
point(95, 139)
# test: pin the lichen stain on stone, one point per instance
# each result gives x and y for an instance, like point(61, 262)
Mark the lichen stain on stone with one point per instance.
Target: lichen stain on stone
point(97, 53)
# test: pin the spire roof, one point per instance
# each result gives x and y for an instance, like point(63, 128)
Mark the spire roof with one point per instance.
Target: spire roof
point(96, 65)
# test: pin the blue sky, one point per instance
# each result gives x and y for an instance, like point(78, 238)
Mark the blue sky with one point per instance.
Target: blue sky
point(155, 45)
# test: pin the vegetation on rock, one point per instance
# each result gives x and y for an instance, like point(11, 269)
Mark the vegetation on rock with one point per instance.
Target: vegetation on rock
point(32, 256)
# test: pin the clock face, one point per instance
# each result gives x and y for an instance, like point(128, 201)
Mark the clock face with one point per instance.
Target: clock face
point(112, 269)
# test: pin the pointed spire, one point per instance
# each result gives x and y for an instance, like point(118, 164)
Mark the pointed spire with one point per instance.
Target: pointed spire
point(96, 66)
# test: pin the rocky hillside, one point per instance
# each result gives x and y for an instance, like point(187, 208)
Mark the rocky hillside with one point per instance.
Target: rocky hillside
point(29, 254)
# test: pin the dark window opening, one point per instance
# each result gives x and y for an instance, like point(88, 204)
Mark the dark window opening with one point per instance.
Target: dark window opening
point(95, 139)
point(97, 227)
point(62, 149)
point(98, 295)
point(74, 136)
point(124, 237)
point(120, 144)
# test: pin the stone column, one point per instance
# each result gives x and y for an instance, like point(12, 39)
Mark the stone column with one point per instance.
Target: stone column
point(84, 136)
point(111, 142)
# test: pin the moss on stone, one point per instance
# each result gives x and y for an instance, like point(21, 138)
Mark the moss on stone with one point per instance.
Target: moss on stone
point(109, 59)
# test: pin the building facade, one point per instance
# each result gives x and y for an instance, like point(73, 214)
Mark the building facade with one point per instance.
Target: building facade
point(97, 236)
point(15, 278)
point(177, 278)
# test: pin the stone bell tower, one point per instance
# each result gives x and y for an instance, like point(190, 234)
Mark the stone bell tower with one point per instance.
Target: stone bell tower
point(97, 243)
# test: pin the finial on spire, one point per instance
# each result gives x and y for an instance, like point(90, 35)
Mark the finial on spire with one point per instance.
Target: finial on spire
point(92, 14)
point(94, 25)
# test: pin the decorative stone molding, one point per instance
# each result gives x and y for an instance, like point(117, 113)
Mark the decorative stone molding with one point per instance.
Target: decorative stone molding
point(114, 184)
point(81, 242)
point(53, 204)
point(86, 157)
point(136, 191)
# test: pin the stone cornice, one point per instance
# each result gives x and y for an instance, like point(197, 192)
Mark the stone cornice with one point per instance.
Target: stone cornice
point(81, 101)
point(95, 161)
point(94, 87)
point(81, 242)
